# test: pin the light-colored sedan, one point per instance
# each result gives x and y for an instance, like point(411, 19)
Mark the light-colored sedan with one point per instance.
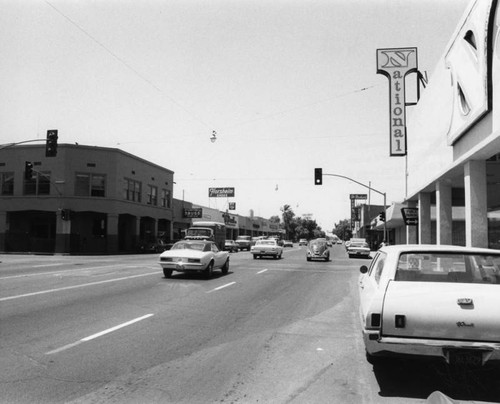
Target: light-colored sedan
point(432, 301)
point(267, 248)
point(358, 249)
point(194, 256)
point(288, 243)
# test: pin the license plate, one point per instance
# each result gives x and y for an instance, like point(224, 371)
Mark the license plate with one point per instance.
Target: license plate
point(465, 357)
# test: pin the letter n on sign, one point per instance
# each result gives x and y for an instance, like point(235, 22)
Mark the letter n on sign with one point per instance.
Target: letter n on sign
point(396, 63)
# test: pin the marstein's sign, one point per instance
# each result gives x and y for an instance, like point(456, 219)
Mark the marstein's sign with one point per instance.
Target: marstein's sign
point(396, 63)
point(220, 192)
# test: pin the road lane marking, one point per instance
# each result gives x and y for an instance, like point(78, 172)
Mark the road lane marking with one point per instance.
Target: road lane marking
point(97, 335)
point(221, 287)
point(82, 269)
point(260, 272)
point(43, 292)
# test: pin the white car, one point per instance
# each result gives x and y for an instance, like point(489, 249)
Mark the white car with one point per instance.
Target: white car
point(432, 301)
point(194, 256)
point(358, 249)
point(267, 248)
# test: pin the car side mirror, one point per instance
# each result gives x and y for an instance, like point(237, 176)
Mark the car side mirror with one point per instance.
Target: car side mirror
point(363, 269)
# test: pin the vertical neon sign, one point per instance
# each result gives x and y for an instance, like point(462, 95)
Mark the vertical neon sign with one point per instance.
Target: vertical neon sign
point(396, 63)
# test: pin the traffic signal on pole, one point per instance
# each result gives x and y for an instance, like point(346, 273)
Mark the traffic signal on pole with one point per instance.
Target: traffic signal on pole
point(318, 176)
point(65, 214)
point(28, 170)
point(51, 144)
point(382, 216)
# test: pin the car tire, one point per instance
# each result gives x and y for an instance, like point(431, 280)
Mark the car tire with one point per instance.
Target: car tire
point(209, 270)
point(373, 359)
point(167, 272)
point(309, 259)
point(225, 267)
point(254, 257)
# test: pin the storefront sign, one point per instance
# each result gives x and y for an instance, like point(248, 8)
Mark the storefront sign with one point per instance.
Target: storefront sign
point(193, 213)
point(396, 63)
point(220, 192)
point(358, 196)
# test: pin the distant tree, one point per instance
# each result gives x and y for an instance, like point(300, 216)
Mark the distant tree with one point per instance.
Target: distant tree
point(288, 215)
point(343, 229)
point(275, 219)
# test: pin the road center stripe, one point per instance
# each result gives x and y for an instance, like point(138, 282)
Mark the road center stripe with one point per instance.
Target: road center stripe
point(222, 287)
point(97, 335)
point(43, 292)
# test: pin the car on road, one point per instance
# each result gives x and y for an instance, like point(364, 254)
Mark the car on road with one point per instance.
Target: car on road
point(194, 256)
point(358, 249)
point(302, 241)
point(318, 249)
point(433, 301)
point(288, 243)
point(244, 242)
point(231, 246)
point(267, 248)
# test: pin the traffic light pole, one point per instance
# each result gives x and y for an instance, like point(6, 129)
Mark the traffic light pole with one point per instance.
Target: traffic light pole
point(371, 189)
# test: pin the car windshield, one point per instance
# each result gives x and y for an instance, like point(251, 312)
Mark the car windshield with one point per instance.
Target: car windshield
point(266, 242)
point(317, 243)
point(199, 232)
point(448, 267)
point(182, 245)
point(358, 245)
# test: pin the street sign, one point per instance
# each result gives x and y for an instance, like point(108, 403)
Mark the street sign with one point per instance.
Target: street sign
point(358, 196)
point(410, 216)
point(232, 205)
point(221, 192)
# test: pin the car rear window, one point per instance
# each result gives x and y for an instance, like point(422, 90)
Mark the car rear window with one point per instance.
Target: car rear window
point(448, 267)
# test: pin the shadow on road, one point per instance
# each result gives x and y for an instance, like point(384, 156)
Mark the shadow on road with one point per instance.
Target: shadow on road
point(413, 379)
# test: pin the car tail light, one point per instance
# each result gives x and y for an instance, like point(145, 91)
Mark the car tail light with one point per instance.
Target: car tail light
point(375, 319)
point(400, 321)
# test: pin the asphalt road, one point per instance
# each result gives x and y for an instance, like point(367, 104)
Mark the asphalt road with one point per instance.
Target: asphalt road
point(113, 329)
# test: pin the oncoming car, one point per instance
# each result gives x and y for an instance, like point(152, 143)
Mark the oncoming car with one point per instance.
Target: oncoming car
point(194, 256)
point(318, 249)
point(432, 301)
point(267, 248)
point(302, 241)
point(231, 246)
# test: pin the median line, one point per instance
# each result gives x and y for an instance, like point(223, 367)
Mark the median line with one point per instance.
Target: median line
point(260, 272)
point(97, 335)
point(221, 287)
point(43, 292)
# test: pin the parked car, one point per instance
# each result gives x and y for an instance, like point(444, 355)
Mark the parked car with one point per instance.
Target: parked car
point(287, 243)
point(267, 248)
point(231, 246)
point(302, 241)
point(244, 242)
point(358, 249)
point(194, 256)
point(318, 249)
point(432, 301)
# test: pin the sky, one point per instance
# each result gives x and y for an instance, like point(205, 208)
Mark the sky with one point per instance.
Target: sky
point(287, 86)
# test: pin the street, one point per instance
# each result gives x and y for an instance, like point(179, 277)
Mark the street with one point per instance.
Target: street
point(112, 329)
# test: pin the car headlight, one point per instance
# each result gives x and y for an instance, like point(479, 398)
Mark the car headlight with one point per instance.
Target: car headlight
point(194, 260)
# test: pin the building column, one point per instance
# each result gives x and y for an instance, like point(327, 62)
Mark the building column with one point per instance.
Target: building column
point(444, 219)
point(412, 231)
point(63, 234)
point(424, 217)
point(476, 221)
point(3, 230)
point(112, 236)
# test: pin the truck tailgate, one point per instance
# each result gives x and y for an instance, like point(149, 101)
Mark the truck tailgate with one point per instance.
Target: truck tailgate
point(453, 311)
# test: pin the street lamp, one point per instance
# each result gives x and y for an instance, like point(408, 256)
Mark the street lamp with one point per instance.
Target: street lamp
point(213, 138)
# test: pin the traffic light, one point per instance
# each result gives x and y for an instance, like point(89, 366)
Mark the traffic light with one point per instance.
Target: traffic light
point(51, 144)
point(318, 176)
point(65, 214)
point(382, 216)
point(28, 170)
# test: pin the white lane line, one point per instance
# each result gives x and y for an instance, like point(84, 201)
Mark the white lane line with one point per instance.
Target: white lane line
point(97, 335)
point(73, 270)
point(260, 272)
point(43, 292)
point(221, 287)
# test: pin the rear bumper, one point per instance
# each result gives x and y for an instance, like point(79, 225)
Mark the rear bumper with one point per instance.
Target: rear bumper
point(394, 346)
